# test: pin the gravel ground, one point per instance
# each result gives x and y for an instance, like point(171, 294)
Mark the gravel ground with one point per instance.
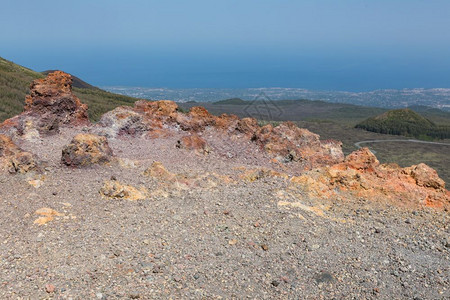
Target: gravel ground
point(223, 241)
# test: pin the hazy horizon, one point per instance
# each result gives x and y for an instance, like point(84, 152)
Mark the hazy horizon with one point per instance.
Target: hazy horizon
point(317, 45)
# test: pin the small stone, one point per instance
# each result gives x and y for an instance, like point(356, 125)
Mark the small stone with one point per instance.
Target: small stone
point(196, 276)
point(50, 288)
point(264, 247)
point(324, 277)
point(232, 242)
point(315, 247)
point(408, 221)
point(135, 295)
point(226, 212)
point(157, 269)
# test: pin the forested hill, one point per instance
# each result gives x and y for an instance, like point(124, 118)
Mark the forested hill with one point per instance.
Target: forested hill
point(405, 122)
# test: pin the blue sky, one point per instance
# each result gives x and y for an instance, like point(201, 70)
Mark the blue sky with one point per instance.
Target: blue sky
point(317, 44)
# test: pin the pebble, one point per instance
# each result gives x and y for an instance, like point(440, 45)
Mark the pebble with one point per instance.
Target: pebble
point(50, 288)
point(324, 277)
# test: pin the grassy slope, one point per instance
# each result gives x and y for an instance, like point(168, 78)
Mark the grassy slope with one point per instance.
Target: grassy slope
point(14, 86)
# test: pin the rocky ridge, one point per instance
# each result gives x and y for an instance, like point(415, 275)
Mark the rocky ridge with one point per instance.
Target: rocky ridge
point(152, 202)
point(51, 104)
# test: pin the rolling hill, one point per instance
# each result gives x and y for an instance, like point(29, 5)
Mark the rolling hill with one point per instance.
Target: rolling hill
point(14, 86)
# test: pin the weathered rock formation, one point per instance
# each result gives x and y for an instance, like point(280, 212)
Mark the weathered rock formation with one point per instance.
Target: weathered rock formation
point(326, 173)
point(49, 105)
point(85, 150)
point(361, 175)
point(286, 142)
point(13, 159)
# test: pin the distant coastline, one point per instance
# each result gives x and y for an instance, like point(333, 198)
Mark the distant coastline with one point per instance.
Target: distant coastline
point(388, 98)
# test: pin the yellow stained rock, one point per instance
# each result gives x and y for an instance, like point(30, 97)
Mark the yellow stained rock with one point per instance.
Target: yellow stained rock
point(37, 183)
point(48, 214)
point(113, 189)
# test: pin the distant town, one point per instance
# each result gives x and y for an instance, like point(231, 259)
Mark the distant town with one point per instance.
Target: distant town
point(390, 98)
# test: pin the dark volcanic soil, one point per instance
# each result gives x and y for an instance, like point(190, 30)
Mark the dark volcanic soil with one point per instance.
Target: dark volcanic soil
point(217, 240)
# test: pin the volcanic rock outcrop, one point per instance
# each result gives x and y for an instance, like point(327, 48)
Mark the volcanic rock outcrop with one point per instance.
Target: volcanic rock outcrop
point(361, 175)
point(13, 159)
point(49, 105)
point(85, 150)
point(323, 170)
point(285, 142)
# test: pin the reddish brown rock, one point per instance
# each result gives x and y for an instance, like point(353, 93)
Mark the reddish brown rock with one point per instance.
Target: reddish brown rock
point(85, 150)
point(193, 142)
point(49, 105)
point(226, 122)
point(13, 159)
point(196, 120)
point(161, 109)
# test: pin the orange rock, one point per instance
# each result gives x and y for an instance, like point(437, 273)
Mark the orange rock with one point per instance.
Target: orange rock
point(362, 175)
point(196, 120)
point(161, 108)
point(362, 159)
point(193, 142)
point(425, 176)
point(14, 159)
point(48, 215)
point(7, 146)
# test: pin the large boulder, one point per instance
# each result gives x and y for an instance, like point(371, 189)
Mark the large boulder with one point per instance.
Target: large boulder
point(85, 150)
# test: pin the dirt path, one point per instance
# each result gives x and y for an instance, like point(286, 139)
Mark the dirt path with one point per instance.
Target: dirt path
point(358, 144)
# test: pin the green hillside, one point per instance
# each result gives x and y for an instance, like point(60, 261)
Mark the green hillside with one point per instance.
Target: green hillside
point(14, 86)
point(405, 122)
